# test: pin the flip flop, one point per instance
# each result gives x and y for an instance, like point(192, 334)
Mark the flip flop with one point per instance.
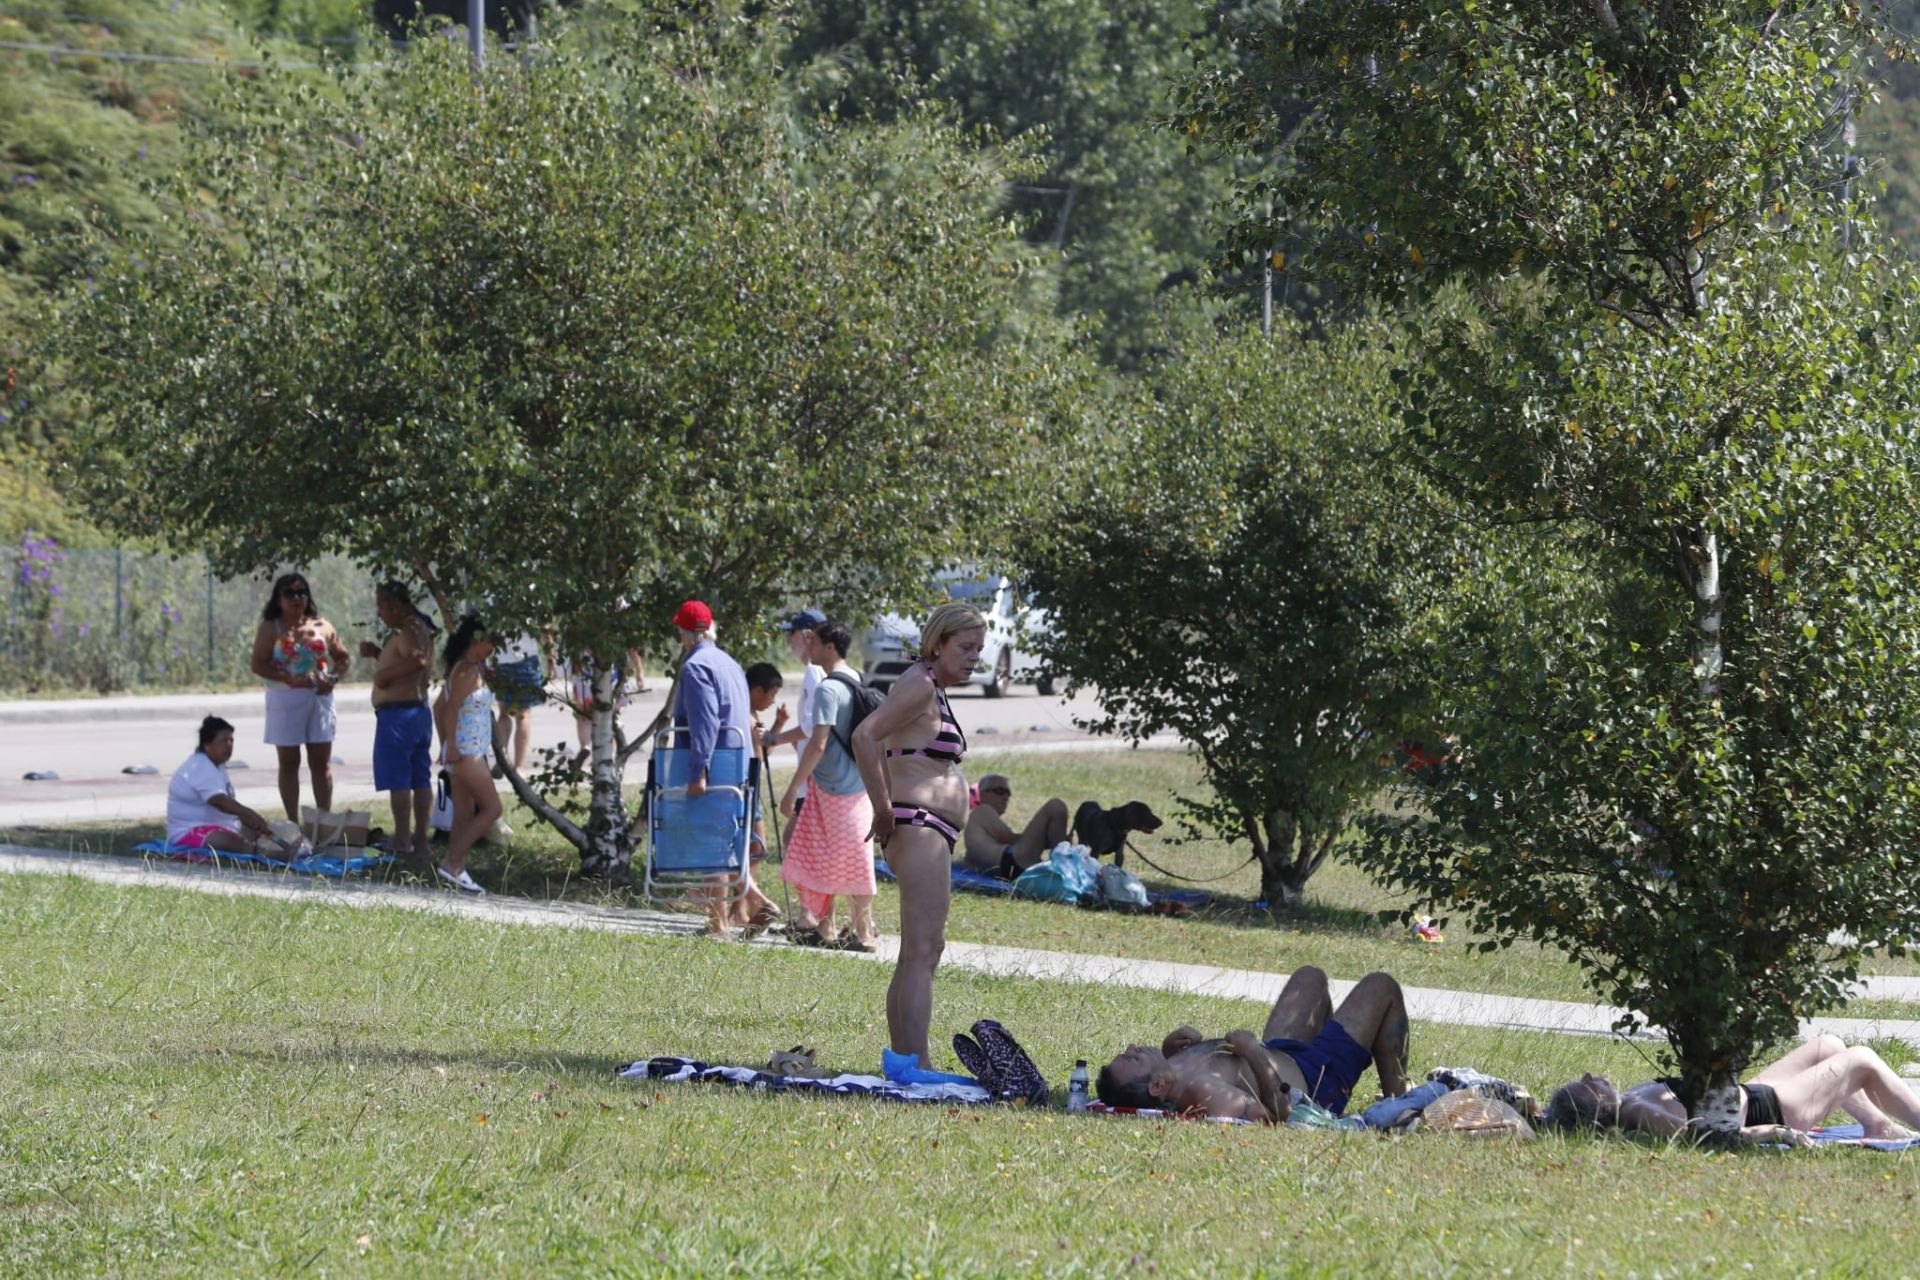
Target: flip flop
point(463, 882)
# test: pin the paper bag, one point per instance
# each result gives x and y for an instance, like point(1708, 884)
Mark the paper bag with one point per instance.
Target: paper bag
point(327, 830)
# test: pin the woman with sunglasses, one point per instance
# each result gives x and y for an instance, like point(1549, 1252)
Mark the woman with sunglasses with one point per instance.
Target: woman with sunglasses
point(300, 656)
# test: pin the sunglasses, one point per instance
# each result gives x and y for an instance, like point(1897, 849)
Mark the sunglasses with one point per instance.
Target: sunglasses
point(294, 591)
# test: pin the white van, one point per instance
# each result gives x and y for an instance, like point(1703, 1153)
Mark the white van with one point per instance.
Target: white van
point(1012, 624)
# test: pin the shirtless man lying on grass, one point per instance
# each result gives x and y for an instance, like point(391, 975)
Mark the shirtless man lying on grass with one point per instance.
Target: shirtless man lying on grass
point(1307, 1047)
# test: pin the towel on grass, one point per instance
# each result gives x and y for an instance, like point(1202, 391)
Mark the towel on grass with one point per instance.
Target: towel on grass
point(968, 880)
point(1851, 1135)
point(1154, 1113)
point(317, 864)
point(688, 1069)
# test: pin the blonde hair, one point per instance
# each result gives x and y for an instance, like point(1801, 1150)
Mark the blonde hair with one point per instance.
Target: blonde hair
point(949, 619)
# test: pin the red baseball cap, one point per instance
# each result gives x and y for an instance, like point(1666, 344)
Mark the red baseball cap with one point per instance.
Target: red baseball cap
point(693, 616)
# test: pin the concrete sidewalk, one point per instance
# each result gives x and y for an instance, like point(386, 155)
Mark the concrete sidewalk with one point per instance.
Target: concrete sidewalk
point(1454, 1008)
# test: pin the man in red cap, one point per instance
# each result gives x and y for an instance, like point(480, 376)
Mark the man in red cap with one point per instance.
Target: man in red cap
point(713, 697)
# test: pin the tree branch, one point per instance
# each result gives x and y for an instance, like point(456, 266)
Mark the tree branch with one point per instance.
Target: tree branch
point(542, 809)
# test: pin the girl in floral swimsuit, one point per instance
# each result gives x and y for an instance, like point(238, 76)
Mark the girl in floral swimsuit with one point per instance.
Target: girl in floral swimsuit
point(909, 751)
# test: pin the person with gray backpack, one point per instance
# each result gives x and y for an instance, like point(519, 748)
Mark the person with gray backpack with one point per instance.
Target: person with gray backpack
point(828, 852)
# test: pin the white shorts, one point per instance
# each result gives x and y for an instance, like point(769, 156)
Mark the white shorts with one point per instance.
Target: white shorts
point(296, 717)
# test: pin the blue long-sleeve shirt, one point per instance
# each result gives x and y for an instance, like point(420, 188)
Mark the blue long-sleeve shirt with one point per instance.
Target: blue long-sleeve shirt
point(713, 695)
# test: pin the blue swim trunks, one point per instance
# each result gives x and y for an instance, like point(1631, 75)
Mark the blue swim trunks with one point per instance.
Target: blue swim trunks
point(1331, 1065)
point(402, 747)
point(520, 686)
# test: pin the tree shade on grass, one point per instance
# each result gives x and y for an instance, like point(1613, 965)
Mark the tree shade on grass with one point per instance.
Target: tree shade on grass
point(1681, 668)
point(580, 337)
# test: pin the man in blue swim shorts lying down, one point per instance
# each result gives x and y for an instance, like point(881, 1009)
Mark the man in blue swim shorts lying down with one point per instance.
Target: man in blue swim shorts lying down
point(1308, 1047)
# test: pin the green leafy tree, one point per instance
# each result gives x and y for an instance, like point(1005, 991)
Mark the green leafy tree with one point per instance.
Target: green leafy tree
point(1230, 567)
point(1688, 703)
point(582, 336)
point(1124, 203)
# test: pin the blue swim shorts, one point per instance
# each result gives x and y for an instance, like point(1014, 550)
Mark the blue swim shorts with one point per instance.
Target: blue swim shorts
point(1331, 1065)
point(403, 747)
point(520, 686)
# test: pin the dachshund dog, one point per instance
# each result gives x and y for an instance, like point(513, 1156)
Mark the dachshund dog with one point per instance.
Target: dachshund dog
point(1104, 831)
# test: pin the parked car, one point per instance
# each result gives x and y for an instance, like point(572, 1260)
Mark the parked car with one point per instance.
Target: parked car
point(1012, 625)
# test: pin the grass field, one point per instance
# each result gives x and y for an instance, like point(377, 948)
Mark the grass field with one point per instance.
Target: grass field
point(204, 1086)
point(1338, 929)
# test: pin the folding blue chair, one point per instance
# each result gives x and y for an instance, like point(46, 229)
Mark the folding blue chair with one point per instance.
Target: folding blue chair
point(697, 845)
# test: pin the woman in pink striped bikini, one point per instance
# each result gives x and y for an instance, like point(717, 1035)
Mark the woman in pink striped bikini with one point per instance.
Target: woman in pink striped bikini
point(909, 753)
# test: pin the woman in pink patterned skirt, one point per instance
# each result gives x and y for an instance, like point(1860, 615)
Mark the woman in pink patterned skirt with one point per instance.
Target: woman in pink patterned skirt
point(828, 853)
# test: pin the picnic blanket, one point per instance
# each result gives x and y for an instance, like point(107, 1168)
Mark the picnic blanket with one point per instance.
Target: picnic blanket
point(968, 880)
point(850, 1085)
point(317, 864)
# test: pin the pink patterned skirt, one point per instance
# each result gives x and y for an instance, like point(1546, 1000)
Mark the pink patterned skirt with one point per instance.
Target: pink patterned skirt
point(827, 850)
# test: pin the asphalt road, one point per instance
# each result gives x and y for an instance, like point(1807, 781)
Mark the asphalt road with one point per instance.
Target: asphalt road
point(89, 743)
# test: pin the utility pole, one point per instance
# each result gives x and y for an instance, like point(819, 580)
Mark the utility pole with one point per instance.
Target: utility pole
point(1266, 283)
point(477, 33)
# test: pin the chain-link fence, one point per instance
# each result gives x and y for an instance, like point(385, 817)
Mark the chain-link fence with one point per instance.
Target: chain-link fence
point(106, 620)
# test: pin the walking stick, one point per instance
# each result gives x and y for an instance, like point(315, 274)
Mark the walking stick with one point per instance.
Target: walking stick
point(773, 815)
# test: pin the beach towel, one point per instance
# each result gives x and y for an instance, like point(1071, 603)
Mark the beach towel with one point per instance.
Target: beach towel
point(319, 864)
point(850, 1085)
point(1154, 1113)
point(1850, 1135)
point(967, 880)
point(1307, 1114)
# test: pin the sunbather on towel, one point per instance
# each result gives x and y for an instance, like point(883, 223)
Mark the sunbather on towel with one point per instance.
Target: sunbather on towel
point(1780, 1104)
point(1308, 1046)
point(993, 846)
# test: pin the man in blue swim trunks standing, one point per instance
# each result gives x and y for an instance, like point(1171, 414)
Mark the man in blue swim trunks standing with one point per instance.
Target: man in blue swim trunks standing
point(1308, 1046)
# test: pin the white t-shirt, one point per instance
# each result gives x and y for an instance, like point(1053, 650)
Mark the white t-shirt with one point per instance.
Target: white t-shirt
point(195, 783)
point(519, 649)
point(809, 684)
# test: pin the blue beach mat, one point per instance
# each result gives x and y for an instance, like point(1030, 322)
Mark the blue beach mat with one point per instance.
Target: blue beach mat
point(1848, 1135)
point(853, 1086)
point(968, 880)
point(318, 864)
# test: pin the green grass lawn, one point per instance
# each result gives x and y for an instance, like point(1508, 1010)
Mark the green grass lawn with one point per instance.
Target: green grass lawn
point(205, 1086)
point(1338, 928)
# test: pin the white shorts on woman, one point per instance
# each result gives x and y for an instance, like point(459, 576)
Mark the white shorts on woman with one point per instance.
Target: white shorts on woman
point(296, 717)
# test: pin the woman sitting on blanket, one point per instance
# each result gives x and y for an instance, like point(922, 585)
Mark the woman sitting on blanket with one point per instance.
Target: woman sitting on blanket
point(201, 810)
point(1780, 1104)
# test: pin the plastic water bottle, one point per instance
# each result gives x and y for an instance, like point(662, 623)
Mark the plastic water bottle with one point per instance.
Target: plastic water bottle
point(1077, 1087)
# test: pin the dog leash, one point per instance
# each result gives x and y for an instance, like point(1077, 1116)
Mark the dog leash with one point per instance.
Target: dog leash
point(1135, 851)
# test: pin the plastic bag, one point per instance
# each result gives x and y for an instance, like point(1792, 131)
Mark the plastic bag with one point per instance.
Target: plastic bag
point(287, 842)
point(1046, 882)
point(1473, 1115)
point(1122, 888)
point(1308, 1114)
point(1077, 866)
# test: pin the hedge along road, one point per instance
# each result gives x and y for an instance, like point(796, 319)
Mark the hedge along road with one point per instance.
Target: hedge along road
point(88, 743)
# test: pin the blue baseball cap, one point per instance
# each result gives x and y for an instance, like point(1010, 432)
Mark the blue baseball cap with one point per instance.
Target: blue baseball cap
point(805, 620)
